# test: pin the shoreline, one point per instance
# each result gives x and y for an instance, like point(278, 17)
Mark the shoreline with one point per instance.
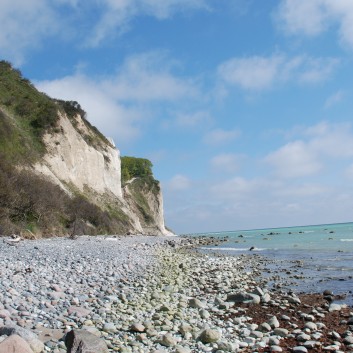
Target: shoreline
point(155, 294)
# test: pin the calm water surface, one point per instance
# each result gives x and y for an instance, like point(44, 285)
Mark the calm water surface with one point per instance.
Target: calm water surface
point(325, 253)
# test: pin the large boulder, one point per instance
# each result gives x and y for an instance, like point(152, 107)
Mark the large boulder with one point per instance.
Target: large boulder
point(196, 303)
point(15, 344)
point(81, 341)
point(243, 297)
point(79, 311)
point(209, 336)
point(30, 337)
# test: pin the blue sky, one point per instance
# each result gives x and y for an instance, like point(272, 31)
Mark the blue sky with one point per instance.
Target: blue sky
point(243, 106)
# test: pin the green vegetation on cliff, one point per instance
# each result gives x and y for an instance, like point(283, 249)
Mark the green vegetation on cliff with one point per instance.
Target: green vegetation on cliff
point(32, 204)
point(139, 189)
point(25, 115)
point(36, 111)
point(132, 167)
point(136, 174)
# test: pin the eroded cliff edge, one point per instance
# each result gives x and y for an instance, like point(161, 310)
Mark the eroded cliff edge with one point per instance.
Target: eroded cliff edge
point(59, 175)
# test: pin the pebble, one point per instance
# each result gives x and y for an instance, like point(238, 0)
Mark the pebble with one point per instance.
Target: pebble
point(168, 340)
point(334, 307)
point(299, 349)
point(142, 296)
point(137, 327)
point(273, 322)
point(282, 332)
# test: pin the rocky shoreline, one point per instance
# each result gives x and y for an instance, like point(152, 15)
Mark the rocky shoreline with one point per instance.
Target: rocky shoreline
point(151, 294)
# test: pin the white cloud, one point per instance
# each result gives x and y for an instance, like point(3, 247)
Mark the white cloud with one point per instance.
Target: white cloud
point(226, 162)
point(220, 136)
point(349, 172)
point(196, 119)
point(301, 190)
point(147, 77)
point(251, 73)
point(259, 72)
point(235, 187)
point(108, 100)
point(23, 24)
point(103, 110)
point(331, 140)
point(317, 69)
point(334, 99)
point(179, 183)
point(309, 174)
point(294, 160)
point(119, 13)
point(313, 17)
point(321, 145)
point(303, 16)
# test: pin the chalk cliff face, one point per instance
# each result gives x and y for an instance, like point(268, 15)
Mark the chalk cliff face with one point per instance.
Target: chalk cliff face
point(95, 169)
point(70, 160)
point(144, 199)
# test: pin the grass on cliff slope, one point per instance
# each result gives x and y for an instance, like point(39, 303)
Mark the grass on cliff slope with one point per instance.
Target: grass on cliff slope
point(31, 204)
point(30, 113)
point(139, 188)
point(25, 115)
point(139, 170)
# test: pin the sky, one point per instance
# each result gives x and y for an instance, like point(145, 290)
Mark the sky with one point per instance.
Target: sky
point(244, 107)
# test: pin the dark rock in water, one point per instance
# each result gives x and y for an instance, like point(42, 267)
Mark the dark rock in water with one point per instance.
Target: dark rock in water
point(327, 292)
point(329, 298)
point(81, 341)
point(252, 248)
point(242, 297)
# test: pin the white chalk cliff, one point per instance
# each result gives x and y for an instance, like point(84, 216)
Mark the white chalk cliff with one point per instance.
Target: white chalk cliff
point(79, 159)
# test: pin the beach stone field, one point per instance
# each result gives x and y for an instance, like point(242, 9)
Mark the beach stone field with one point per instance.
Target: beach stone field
point(153, 294)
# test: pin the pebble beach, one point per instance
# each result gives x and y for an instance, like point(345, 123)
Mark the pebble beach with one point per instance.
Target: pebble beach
point(155, 294)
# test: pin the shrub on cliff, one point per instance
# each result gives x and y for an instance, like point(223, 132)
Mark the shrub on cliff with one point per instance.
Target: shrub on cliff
point(30, 203)
point(35, 110)
point(132, 167)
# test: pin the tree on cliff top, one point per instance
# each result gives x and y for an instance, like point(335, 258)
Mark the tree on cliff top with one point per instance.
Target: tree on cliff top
point(132, 167)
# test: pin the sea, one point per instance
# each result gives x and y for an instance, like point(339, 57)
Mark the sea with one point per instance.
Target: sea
point(324, 252)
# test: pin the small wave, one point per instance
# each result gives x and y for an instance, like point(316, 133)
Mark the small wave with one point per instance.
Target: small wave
point(233, 249)
point(332, 269)
point(346, 239)
point(309, 231)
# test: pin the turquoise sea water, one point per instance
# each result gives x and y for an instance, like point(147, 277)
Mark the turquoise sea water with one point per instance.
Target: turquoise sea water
point(324, 251)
